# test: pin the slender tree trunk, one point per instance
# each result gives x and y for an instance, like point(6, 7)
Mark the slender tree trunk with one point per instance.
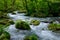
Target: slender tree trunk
point(26, 6)
point(12, 5)
point(5, 6)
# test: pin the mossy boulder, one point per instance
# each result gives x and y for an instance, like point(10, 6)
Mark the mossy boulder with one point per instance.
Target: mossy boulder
point(4, 35)
point(54, 27)
point(31, 37)
point(35, 22)
point(22, 25)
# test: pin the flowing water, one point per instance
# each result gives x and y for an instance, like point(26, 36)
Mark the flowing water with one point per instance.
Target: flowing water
point(41, 30)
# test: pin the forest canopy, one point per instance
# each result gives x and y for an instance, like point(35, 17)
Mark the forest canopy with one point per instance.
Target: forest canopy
point(37, 8)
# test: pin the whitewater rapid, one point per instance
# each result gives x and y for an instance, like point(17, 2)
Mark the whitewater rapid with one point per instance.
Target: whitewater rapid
point(41, 30)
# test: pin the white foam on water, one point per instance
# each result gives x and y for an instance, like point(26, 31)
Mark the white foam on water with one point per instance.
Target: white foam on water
point(40, 30)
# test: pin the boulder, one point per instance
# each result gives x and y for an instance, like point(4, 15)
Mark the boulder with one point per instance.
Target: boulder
point(22, 25)
point(31, 37)
point(35, 22)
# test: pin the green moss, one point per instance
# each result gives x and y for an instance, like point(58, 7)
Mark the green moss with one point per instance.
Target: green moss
point(4, 35)
point(11, 21)
point(41, 15)
point(54, 27)
point(2, 26)
point(6, 22)
point(35, 22)
point(22, 25)
point(31, 37)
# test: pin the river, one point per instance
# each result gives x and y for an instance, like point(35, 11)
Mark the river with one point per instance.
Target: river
point(41, 30)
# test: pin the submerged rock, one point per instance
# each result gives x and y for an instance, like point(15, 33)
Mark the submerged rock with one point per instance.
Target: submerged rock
point(47, 21)
point(54, 27)
point(35, 22)
point(22, 25)
point(31, 37)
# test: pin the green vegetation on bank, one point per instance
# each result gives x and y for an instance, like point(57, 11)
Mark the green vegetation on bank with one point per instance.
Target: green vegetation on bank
point(54, 27)
point(4, 35)
point(35, 8)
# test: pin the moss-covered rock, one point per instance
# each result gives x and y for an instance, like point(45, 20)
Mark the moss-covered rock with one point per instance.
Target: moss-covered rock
point(54, 27)
point(31, 37)
point(22, 25)
point(4, 35)
point(35, 22)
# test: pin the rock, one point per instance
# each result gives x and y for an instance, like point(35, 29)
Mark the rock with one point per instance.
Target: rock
point(31, 37)
point(54, 27)
point(47, 21)
point(22, 25)
point(19, 12)
point(35, 22)
point(4, 35)
point(22, 11)
point(13, 12)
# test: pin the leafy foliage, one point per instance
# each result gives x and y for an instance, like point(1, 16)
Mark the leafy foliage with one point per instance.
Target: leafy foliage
point(4, 35)
point(37, 8)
